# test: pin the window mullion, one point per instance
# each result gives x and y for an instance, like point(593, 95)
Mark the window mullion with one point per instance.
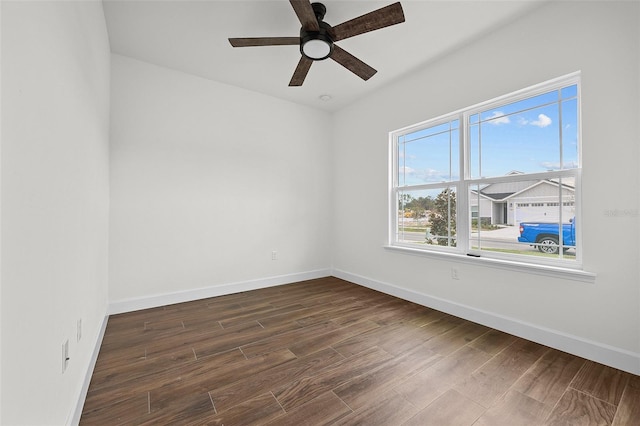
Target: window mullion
point(463, 217)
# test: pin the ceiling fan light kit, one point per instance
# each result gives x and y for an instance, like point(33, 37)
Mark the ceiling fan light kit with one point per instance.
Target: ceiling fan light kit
point(317, 45)
point(317, 38)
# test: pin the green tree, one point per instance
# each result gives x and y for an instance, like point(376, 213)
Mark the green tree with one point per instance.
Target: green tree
point(404, 200)
point(443, 219)
point(419, 206)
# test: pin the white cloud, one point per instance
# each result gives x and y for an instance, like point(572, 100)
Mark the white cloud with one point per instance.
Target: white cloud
point(548, 165)
point(431, 175)
point(498, 117)
point(542, 121)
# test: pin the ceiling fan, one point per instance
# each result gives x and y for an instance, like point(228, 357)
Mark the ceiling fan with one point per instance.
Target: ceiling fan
point(317, 38)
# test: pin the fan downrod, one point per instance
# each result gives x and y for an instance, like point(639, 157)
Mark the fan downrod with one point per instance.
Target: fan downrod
point(320, 10)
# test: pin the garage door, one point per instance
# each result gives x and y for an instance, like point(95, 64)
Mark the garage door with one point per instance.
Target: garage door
point(542, 212)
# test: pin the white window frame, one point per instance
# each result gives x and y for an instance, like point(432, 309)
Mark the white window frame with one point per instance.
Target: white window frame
point(463, 252)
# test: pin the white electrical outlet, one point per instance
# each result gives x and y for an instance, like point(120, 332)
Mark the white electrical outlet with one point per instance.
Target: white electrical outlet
point(65, 355)
point(274, 255)
point(454, 274)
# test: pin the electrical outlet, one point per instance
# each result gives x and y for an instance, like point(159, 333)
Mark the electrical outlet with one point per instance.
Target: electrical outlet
point(79, 330)
point(454, 274)
point(274, 255)
point(65, 355)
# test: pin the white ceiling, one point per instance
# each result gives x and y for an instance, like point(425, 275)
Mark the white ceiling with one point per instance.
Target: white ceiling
point(191, 36)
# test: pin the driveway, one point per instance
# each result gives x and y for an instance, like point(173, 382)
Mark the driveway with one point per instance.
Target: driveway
point(509, 233)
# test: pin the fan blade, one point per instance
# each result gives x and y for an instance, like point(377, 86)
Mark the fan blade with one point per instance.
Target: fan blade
point(306, 15)
point(301, 71)
point(352, 63)
point(263, 41)
point(384, 17)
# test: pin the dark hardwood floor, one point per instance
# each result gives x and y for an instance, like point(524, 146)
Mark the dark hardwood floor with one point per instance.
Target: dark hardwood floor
point(327, 351)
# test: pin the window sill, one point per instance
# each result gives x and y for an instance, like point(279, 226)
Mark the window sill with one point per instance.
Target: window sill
point(545, 270)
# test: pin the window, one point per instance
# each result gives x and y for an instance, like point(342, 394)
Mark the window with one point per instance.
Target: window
point(500, 179)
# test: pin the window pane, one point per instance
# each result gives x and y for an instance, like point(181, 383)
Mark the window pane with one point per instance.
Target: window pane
point(498, 114)
point(523, 217)
point(526, 142)
point(427, 217)
point(570, 92)
point(570, 134)
point(533, 135)
point(429, 155)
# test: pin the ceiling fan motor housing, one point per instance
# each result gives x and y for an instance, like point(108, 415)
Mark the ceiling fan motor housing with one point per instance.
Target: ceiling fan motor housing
point(317, 45)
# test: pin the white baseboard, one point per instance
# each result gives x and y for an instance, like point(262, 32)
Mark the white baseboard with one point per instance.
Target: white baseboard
point(128, 305)
point(594, 351)
point(75, 420)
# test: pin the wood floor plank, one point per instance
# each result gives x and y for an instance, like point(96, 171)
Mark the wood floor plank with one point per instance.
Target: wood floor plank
point(286, 339)
point(629, 408)
point(260, 315)
point(326, 351)
point(515, 408)
point(366, 340)
point(404, 339)
point(257, 411)
point(547, 380)
point(358, 391)
point(293, 315)
point(386, 409)
point(451, 408)
point(303, 390)
point(187, 375)
point(313, 343)
point(426, 386)
point(341, 315)
point(487, 384)
point(235, 337)
point(219, 377)
point(125, 374)
point(119, 412)
point(224, 398)
point(326, 409)
point(578, 408)
point(183, 408)
point(493, 342)
point(163, 395)
point(603, 382)
point(109, 360)
point(455, 338)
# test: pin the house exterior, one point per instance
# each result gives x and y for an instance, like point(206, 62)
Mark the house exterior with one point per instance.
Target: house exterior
point(510, 203)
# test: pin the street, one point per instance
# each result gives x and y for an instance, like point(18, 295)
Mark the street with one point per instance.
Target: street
point(501, 239)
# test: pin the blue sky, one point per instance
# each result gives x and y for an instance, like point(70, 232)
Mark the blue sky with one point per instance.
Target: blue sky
point(523, 136)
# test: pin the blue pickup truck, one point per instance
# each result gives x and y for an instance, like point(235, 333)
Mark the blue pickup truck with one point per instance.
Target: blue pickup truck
point(544, 236)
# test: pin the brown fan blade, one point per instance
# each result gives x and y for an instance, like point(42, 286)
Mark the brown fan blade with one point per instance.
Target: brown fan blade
point(352, 63)
point(306, 15)
point(301, 71)
point(384, 17)
point(263, 41)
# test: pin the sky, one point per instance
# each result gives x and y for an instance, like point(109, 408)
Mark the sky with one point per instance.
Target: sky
point(526, 136)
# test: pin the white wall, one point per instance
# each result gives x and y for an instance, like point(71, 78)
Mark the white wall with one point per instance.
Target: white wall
point(55, 114)
point(206, 181)
point(602, 40)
